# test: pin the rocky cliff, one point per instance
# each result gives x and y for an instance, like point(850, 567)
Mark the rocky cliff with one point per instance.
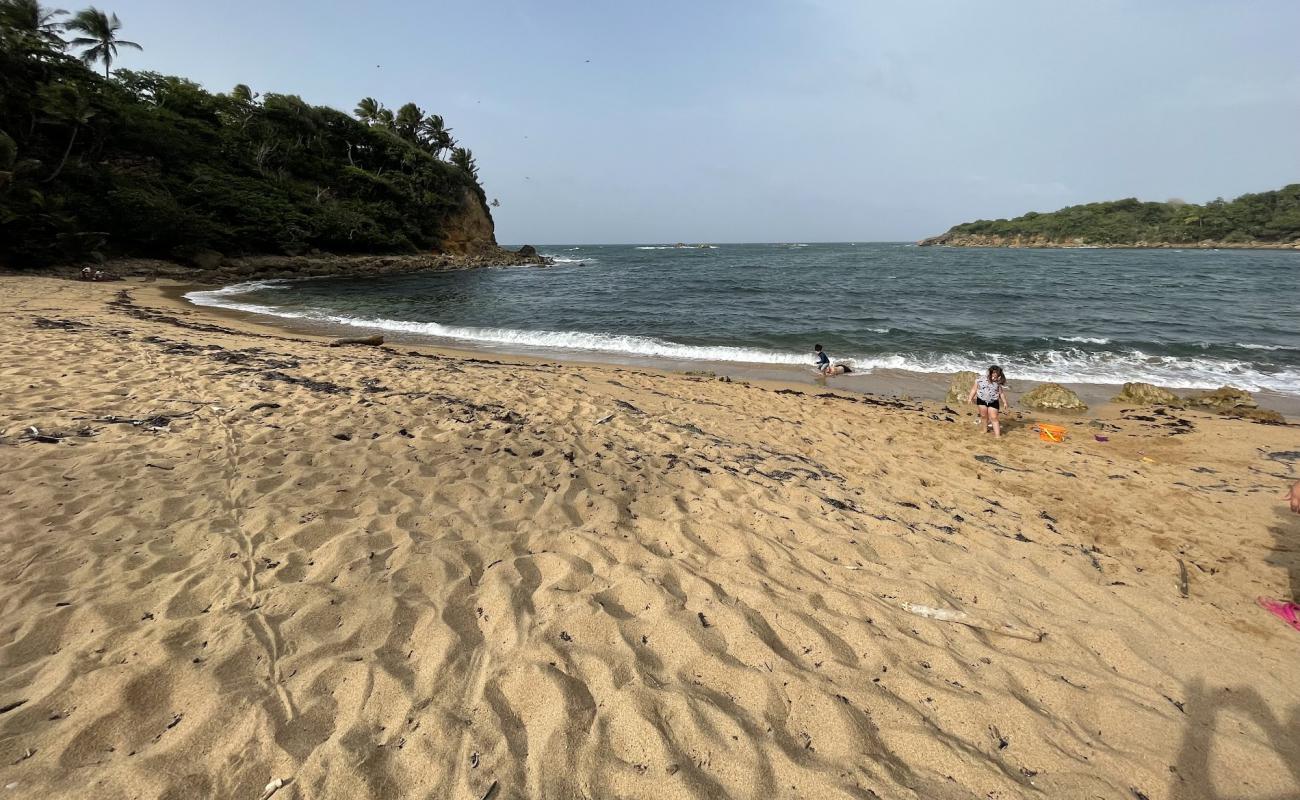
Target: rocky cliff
point(470, 231)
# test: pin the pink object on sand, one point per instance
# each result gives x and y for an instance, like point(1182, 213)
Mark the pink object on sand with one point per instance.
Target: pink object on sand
point(1286, 611)
point(1101, 438)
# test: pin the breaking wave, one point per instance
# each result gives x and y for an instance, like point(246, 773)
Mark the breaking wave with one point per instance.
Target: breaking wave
point(1065, 365)
point(568, 260)
point(220, 298)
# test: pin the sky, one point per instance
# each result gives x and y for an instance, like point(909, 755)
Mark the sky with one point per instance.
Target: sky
point(784, 120)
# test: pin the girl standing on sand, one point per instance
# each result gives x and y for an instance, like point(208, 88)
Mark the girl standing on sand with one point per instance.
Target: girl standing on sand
point(989, 394)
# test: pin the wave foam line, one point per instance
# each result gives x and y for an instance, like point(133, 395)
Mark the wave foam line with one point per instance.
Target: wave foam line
point(1062, 366)
point(219, 298)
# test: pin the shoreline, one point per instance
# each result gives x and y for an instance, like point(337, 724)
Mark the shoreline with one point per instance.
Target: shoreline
point(234, 555)
point(888, 382)
point(219, 271)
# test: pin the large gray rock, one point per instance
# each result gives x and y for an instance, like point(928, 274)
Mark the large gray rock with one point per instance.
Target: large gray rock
point(1145, 394)
point(959, 387)
point(1052, 397)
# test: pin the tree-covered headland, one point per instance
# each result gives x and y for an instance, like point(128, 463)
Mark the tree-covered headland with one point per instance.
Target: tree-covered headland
point(102, 162)
point(1262, 219)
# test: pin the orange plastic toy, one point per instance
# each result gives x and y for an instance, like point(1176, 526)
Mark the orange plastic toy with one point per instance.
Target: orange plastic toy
point(1050, 433)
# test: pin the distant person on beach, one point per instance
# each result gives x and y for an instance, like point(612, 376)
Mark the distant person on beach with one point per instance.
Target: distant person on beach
point(1293, 497)
point(989, 394)
point(86, 273)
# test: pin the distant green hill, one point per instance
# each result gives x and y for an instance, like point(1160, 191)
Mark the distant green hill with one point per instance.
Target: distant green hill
point(1266, 219)
point(142, 164)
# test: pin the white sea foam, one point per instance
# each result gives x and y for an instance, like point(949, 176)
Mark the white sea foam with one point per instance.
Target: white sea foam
point(1068, 365)
point(577, 341)
point(567, 260)
point(1085, 339)
point(1249, 346)
point(1076, 366)
point(220, 298)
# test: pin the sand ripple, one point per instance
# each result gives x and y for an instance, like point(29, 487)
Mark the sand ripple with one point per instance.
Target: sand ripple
point(418, 576)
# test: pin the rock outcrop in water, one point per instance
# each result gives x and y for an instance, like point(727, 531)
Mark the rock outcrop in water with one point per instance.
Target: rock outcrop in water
point(1052, 397)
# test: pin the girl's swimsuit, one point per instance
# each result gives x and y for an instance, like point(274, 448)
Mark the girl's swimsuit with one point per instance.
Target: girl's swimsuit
point(987, 393)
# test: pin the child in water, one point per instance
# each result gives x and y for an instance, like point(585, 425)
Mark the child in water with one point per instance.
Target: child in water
point(823, 360)
point(989, 394)
point(824, 365)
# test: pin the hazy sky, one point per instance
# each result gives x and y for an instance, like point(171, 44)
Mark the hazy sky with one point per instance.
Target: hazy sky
point(803, 120)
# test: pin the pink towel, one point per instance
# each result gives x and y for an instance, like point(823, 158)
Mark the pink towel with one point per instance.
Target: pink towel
point(1286, 611)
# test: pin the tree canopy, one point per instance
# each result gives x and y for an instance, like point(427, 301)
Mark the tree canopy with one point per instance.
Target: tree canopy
point(1263, 217)
point(127, 163)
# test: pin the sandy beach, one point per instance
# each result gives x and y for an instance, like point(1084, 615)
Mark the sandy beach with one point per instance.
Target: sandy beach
point(232, 555)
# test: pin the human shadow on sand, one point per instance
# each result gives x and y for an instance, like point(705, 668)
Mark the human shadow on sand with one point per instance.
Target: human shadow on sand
point(1214, 714)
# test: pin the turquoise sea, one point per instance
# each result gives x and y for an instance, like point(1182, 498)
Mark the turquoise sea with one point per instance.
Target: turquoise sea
point(1195, 318)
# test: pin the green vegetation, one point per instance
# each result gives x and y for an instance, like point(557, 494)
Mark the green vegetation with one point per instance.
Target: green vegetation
point(128, 163)
point(1264, 217)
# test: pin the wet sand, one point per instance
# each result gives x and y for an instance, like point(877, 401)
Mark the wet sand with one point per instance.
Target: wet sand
point(232, 554)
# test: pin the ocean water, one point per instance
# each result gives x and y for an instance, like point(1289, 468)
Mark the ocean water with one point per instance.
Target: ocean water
point(1192, 319)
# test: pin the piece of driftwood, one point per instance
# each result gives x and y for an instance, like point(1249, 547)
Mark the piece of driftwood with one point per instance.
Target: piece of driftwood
point(962, 618)
point(372, 341)
point(1182, 578)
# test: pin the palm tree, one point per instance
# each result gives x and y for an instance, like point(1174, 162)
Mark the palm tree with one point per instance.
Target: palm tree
point(464, 158)
point(243, 93)
point(100, 39)
point(385, 118)
point(436, 135)
point(26, 20)
point(64, 105)
point(368, 110)
point(408, 120)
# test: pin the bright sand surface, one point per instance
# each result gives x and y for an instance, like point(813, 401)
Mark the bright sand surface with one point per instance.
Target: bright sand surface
point(376, 573)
